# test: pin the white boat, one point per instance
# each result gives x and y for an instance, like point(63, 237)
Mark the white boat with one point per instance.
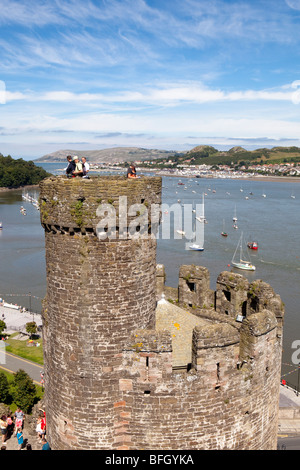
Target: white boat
point(1, 226)
point(196, 247)
point(241, 263)
point(7, 305)
point(180, 232)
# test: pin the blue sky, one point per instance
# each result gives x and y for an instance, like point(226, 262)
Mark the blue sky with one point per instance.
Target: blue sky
point(168, 74)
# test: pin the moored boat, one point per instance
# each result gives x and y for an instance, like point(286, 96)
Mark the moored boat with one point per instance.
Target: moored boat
point(241, 263)
point(252, 245)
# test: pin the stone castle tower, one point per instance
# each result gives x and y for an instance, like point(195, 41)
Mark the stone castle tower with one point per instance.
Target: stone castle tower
point(133, 364)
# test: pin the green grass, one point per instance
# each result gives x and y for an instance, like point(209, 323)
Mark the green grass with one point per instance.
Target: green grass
point(21, 348)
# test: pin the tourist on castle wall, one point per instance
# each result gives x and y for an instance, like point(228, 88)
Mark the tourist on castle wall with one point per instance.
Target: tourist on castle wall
point(71, 166)
point(19, 416)
point(3, 427)
point(45, 444)
point(20, 438)
point(131, 172)
point(85, 167)
point(78, 167)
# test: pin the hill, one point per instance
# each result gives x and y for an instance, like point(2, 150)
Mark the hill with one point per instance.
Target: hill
point(111, 155)
point(238, 155)
point(17, 173)
point(197, 156)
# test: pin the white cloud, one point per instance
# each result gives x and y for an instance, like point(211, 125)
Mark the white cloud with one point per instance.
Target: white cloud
point(171, 94)
point(295, 4)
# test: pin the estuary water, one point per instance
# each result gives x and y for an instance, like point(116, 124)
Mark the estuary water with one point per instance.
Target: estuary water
point(267, 212)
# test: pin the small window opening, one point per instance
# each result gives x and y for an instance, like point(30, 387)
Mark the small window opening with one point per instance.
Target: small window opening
point(218, 372)
point(191, 286)
point(227, 295)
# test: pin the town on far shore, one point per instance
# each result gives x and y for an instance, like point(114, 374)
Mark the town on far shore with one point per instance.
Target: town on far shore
point(186, 169)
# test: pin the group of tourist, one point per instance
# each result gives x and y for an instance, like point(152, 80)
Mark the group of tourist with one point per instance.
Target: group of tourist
point(12, 425)
point(82, 168)
point(76, 167)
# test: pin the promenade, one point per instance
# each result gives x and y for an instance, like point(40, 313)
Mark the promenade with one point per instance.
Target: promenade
point(289, 412)
point(16, 319)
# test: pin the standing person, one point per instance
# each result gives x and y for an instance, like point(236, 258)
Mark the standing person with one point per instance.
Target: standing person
point(45, 444)
point(3, 426)
point(10, 425)
point(38, 428)
point(20, 438)
point(85, 167)
point(19, 415)
point(71, 166)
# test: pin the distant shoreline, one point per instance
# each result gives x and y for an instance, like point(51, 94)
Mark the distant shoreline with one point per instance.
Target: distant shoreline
point(30, 186)
point(280, 179)
point(274, 179)
point(265, 178)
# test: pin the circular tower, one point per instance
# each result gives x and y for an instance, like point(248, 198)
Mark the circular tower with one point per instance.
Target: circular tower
point(101, 286)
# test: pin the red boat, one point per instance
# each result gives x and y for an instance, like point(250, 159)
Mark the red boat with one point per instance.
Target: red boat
point(252, 245)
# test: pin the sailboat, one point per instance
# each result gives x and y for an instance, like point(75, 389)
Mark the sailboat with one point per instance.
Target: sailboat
point(1, 226)
point(223, 233)
point(195, 246)
point(241, 263)
point(201, 217)
point(234, 218)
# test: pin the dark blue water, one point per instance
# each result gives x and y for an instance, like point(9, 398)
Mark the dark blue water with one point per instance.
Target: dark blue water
point(273, 221)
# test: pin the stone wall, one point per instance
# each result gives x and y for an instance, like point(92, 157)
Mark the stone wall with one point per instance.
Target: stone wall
point(98, 291)
point(110, 380)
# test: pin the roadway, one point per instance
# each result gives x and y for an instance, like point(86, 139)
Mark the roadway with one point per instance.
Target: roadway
point(12, 363)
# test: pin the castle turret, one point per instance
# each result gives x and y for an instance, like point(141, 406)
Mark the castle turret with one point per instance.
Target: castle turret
point(98, 290)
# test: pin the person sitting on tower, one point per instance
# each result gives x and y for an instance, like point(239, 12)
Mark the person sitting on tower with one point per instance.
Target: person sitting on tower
point(85, 167)
point(131, 172)
point(78, 167)
point(71, 166)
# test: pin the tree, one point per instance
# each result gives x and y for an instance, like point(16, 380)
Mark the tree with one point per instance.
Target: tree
point(31, 328)
point(4, 388)
point(2, 326)
point(24, 391)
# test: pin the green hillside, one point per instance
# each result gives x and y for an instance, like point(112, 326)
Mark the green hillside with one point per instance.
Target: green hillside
point(236, 156)
point(17, 173)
